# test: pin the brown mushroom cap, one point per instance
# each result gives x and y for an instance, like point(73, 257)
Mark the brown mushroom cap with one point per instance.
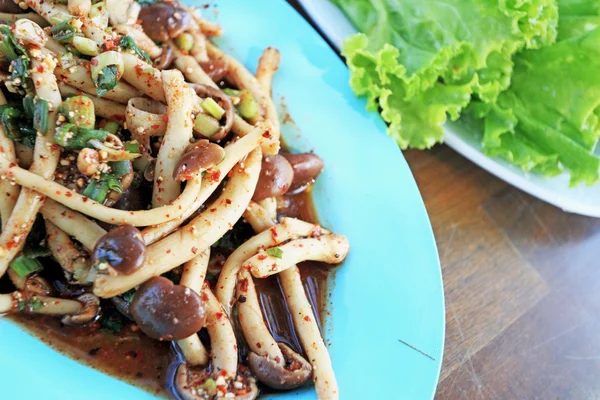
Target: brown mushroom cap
point(166, 58)
point(10, 7)
point(36, 285)
point(90, 312)
point(275, 177)
point(307, 166)
point(200, 157)
point(295, 372)
point(217, 70)
point(163, 21)
point(122, 248)
point(165, 311)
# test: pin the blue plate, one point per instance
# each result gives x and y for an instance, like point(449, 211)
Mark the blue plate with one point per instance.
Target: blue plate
point(387, 292)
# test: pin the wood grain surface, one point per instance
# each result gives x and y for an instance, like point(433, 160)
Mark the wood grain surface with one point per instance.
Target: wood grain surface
point(522, 286)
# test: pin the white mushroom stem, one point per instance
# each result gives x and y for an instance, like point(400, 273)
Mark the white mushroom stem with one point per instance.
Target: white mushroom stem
point(193, 275)
point(7, 303)
point(289, 228)
point(198, 235)
point(257, 217)
point(308, 331)
point(251, 320)
point(222, 338)
point(64, 251)
point(9, 193)
point(268, 63)
point(43, 304)
point(86, 231)
point(331, 249)
point(233, 154)
point(245, 80)
point(309, 334)
point(269, 206)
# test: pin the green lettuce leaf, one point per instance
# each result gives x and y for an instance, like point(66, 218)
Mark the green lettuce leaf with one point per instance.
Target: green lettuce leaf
point(422, 60)
point(553, 102)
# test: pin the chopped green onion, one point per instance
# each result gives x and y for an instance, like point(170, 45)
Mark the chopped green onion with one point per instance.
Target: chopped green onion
point(27, 136)
point(185, 41)
point(99, 14)
point(107, 68)
point(85, 136)
point(64, 134)
point(132, 147)
point(79, 110)
point(232, 92)
point(211, 107)
point(247, 107)
point(96, 190)
point(8, 116)
point(58, 17)
point(128, 43)
point(112, 153)
point(86, 46)
point(19, 70)
point(10, 48)
point(209, 387)
point(206, 125)
point(63, 32)
point(275, 252)
point(115, 185)
point(40, 116)
point(112, 127)
point(24, 266)
point(28, 105)
point(120, 168)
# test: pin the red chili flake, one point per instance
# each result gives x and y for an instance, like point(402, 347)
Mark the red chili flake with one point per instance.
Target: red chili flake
point(219, 315)
point(159, 199)
point(11, 244)
point(274, 234)
point(166, 117)
point(40, 68)
point(244, 285)
point(168, 251)
point(228, 201)
point(94, 61)
point(69, 194)
point(1, 149)
point(58, 192)
point(274, 267)
point(215, 176)
point(138, 70)
point(213, 209)
point(306, 318)
point(85, 199)
point(204, 297)
point(155, 126)
point(12, 164)
point(262, 257)
point(194, 249)
point(258, 345)
point(223, 372)
point(267, 134)
point(277, 359)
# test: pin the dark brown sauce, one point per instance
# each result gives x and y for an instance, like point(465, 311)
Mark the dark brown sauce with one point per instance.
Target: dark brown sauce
point(131, 356)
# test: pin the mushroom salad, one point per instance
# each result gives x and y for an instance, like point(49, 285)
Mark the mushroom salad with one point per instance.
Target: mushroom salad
point(153, 224)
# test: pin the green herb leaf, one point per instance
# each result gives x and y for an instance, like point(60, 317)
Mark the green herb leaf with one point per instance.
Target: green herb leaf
point(128, 43)
point(10, 48)
point(63, 32)
point(28, 105)
point(8, 118)
point(96, 190)
point(107, 80)
point(112, 324)
point(25, 266)
point(275, 252)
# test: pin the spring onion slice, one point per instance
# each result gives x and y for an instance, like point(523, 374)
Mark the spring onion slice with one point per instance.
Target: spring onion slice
point(206, 125)
point(40, 116)
point(24, 266)
point(96, 190)
point(211, 107)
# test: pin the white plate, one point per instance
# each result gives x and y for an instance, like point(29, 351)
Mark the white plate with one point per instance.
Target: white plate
point(583, 200)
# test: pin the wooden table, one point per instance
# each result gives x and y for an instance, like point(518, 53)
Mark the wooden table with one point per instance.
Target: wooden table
point(522, 286)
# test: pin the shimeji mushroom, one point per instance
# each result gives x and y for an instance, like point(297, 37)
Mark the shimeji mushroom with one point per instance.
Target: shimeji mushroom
point(222, 377)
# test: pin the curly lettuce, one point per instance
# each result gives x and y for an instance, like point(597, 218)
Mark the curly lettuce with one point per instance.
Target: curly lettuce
point(420, 61)
point(553, 103)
